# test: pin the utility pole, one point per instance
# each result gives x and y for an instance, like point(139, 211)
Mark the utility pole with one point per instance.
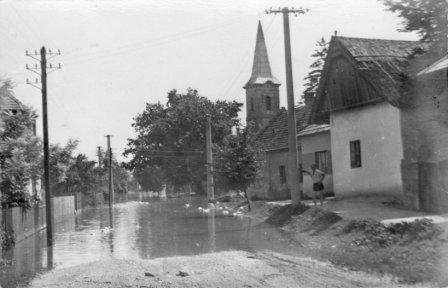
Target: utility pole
point(98, 154)
point(111, 175)
point(209, 165)
point(295, 158)
point(43, 80)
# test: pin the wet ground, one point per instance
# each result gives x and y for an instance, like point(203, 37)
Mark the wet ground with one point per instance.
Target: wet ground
point(141, 230)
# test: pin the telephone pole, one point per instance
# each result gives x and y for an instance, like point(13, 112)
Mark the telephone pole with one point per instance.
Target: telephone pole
point(98, 154)
point(209, 165)
point(295, 158)
point(43, 80)
point(111, 175)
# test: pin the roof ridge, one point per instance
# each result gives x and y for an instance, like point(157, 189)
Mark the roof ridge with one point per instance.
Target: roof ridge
point(378, 39)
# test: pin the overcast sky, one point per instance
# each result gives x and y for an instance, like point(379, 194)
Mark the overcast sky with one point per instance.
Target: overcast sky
point(119, 55)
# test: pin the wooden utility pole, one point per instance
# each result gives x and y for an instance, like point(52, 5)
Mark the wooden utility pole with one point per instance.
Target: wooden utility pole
point(43, 80)
point(111, 175)
point(98, 154)
point(295, 158)
point(209, 164)
point(48, 210)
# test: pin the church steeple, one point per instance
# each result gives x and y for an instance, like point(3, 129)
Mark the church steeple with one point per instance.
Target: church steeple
point(262, 92)
point(261, 69)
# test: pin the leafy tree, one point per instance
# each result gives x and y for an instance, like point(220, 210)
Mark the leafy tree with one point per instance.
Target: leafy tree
point(19, 156)
point(426, 17)
point(168, 135)
point(313, 77)
point(237, 162)
point(61, 158)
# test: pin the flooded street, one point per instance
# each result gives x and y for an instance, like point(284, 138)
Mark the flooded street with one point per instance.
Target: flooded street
point(141, 230)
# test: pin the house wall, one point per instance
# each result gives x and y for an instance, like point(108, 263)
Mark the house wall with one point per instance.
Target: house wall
point(425, 142)
point(276, 189)
point(310, 145)
point(378, 129)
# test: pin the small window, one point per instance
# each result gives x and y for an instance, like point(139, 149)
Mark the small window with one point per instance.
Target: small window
point(268, 103)
point(14, 112)
point(282, 174)
point(355, 154)
point(322, 159)
point(251, 104)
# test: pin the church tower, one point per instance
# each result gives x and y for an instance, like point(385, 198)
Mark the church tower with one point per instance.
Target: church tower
point(262, 89)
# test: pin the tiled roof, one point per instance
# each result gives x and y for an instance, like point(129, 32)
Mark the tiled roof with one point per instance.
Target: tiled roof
point(383, 63)
point(7, 99)
point(275, 135)
point(361, 47)
point(261, 69)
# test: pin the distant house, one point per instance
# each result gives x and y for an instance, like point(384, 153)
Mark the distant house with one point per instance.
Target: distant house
point(383, 129)
point(264, 112)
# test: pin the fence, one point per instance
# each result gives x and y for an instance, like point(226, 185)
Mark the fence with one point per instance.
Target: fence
point(26, 222)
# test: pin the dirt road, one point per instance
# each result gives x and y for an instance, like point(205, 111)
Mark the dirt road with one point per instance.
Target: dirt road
point(224, 269)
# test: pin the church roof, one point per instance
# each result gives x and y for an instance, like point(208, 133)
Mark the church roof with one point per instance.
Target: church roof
point(274, 135)
point(261, 69)
point(7, 99)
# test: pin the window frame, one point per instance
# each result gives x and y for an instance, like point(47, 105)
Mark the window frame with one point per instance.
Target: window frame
point(268, 103)
point(355, 154)
point(282, 174)
point(327, 167)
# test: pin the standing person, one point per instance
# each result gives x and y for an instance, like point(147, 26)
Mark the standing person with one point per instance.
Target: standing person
point(318, 187)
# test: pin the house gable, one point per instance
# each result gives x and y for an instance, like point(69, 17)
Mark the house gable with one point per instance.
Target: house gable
point(360, 72)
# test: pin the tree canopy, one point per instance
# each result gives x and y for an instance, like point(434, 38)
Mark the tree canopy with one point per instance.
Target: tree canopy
point(171, 138)
point(313, 77)
point(426, 17)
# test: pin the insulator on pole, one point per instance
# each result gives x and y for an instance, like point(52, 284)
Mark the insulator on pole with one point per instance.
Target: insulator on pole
point(27, 81)
point(26, 52)
point(59, 52)
point(51, 66)
point(26, 65)
point(59, 66)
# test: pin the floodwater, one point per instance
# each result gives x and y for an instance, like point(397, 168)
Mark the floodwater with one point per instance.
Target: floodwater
point(141, 229)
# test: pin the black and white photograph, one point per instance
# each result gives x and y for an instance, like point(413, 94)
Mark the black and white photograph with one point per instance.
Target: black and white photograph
point(223, 144)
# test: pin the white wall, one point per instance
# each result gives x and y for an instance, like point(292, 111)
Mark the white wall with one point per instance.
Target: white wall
point(378, 128)
point(311, 144)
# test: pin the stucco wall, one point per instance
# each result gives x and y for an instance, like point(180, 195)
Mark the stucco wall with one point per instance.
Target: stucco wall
point(278, 190)
point(310, 145)
point(425, 143)
point(378, 128)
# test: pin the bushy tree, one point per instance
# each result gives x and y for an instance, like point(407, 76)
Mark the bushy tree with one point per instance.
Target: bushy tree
point(237, 162)
point(20, 155)
point(313, 77)
point(168, 135)
point(426, 17)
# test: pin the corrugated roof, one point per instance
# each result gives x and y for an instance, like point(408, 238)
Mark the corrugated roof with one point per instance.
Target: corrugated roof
point(261, 69)
point(275, 135)
point(7, 99)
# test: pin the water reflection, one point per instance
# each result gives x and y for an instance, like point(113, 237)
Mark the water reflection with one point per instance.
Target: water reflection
point(137, 229)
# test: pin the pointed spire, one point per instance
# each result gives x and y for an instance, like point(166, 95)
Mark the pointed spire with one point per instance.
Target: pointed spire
point(261, 69)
